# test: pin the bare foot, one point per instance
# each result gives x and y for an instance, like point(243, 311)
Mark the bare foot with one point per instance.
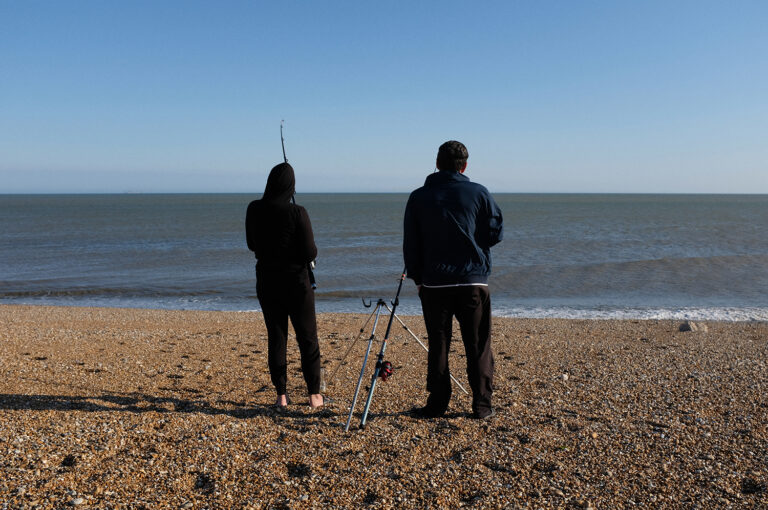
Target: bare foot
point(282, 400)
point(316, 400)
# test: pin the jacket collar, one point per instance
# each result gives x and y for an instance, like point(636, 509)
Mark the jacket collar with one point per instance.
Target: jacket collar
point(441, 177)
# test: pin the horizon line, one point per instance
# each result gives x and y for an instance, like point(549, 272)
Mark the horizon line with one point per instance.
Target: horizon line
point(22, 193)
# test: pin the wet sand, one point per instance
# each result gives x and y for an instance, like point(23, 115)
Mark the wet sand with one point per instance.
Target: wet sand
point(123, 408)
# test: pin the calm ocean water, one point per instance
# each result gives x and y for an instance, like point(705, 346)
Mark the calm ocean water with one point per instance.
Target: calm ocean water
point(596, 256)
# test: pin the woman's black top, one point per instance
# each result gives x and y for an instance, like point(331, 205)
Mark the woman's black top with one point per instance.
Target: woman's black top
point(280, 235)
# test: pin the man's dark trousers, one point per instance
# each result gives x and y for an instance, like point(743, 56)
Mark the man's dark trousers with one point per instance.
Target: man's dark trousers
point(471, 305)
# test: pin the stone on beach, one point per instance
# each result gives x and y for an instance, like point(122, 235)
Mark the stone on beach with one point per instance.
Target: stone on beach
point(693, 326)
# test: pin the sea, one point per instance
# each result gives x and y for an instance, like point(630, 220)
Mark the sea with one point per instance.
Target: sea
point(594, 256)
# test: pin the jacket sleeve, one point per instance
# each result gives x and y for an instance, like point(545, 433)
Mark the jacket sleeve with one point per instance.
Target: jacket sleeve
point(412, 243)
point(306, 239)
point(250, 224)
point(495, 222)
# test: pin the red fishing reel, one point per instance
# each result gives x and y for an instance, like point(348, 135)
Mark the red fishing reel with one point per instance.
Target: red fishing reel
point(385, 371)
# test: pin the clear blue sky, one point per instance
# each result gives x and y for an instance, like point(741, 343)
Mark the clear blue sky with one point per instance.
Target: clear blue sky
point(548, 96)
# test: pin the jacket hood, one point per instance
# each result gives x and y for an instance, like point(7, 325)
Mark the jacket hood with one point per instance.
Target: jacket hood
point(281, 184)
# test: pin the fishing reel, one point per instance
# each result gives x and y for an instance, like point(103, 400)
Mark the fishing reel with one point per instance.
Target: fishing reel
point(385, 372)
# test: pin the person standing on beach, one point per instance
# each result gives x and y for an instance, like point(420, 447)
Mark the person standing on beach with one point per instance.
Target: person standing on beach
point(280, 234)
point(450, 225)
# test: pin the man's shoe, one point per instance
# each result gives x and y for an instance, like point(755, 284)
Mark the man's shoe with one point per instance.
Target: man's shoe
point(426, 412)
point(485, 414)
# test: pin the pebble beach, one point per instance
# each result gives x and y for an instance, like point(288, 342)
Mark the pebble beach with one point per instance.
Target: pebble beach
point(130, 408)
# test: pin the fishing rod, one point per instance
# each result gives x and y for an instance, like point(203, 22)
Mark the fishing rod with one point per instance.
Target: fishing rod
point(383, 368)
point(375, 313)
point(311, 264)
point(282, 141)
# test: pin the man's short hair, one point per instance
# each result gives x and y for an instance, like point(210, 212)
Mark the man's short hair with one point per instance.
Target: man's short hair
point(452, 156)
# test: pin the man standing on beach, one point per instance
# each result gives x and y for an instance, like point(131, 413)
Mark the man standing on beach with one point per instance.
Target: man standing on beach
point(450, 226)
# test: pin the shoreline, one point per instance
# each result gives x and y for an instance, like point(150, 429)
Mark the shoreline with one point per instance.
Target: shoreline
point(137, 408)
point(751, 314)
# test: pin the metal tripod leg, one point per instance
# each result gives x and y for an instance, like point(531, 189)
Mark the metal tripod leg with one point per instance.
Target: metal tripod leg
point(352, 345)
point(374, 378)
point(377, 312)
point(425, 348)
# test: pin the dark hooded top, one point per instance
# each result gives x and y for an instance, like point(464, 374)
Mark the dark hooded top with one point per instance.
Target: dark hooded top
point(450, 225)
point(278, 231)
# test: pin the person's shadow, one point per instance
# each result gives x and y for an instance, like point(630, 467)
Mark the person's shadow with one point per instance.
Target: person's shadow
point(134, 403)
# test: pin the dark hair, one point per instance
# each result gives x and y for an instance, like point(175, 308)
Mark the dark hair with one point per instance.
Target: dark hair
point(452, 156)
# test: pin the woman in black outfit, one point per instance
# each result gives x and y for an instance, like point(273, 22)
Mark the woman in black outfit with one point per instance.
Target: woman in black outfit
point(280, 234)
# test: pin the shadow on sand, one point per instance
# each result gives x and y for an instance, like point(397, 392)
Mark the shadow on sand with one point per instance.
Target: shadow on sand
point(140, 403)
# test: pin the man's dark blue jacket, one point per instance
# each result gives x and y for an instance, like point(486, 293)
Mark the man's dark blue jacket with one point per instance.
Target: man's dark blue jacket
point(450, 226)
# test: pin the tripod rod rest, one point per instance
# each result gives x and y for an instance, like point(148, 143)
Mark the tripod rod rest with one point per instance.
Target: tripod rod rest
point(379, 302)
